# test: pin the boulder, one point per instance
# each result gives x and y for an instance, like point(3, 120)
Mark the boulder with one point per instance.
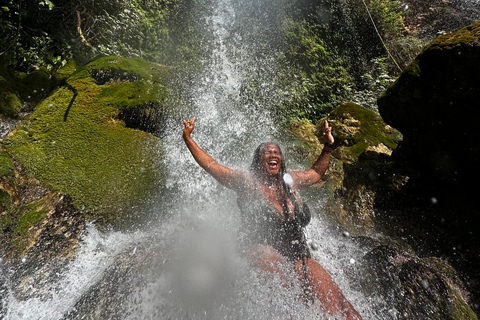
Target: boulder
point(89, 139)
point(359, 165)
point(361, 181)
point(412, 286)
point(435, 104)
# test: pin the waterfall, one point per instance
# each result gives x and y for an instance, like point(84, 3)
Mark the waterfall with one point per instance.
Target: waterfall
point(185, 265)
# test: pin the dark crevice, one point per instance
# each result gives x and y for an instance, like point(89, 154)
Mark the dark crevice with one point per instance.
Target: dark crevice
point(148, 119)
point(102, 76)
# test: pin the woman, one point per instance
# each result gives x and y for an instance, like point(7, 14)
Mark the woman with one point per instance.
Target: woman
point(274, 215)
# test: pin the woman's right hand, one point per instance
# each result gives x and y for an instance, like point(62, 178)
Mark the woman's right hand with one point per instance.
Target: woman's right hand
point(189, 125)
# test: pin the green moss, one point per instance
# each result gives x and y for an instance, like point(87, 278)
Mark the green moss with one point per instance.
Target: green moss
point(125, 66)
point(10, 104)
point(413, 68)
point(66, 71)
point(461, 310)
point(356, 128)
point(5, 206)
point(465, 36)
point(132, 94)
point(30, 215)
point(24, 219)
point(75, 145)
point(6, 165)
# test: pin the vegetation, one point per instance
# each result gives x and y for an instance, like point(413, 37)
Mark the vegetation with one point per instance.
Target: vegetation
point(346, 51)
point(340, 50)
point(50, 32)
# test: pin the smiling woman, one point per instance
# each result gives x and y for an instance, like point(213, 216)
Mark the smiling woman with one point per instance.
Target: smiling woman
point(274, 215)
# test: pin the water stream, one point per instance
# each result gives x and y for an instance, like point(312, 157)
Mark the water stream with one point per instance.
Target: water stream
point(184, 265)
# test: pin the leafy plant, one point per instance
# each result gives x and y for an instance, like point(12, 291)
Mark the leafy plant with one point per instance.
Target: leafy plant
point(323, 77)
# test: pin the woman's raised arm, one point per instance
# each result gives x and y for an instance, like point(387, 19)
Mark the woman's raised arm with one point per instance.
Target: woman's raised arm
point(232, 179)
point(303, 179)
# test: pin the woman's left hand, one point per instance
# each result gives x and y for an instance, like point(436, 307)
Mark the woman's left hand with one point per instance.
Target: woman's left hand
point(327, 134)
point(189, 125)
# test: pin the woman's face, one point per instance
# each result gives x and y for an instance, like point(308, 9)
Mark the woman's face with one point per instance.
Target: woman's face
point(271, 159)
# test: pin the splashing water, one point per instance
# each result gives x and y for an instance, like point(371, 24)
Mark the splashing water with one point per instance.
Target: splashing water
point(187, 266)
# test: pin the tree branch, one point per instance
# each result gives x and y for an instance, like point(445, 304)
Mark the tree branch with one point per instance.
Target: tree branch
point(79, 30)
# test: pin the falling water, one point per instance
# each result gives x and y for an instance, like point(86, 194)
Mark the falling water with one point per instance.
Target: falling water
point(185, 265)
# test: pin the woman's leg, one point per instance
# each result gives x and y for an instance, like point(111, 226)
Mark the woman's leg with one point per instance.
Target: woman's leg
point(322, 287)
point(268, 259)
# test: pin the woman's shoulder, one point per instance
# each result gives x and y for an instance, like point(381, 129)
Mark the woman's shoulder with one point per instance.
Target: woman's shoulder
point(245, 184)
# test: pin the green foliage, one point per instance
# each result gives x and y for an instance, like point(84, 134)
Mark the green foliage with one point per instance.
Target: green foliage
point(345, 51)
point(49, 33)
point(379, 29)
point(324, 75)
point(374, 82)
point(30, 35)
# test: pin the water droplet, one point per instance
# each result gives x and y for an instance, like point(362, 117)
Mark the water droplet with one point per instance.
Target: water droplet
point(425, 284)
point(287, 178)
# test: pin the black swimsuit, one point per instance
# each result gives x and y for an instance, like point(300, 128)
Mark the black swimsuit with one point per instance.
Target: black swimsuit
point(262, 225)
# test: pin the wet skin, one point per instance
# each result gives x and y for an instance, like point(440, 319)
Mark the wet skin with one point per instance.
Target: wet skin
point(318, 280)
point(272, 160)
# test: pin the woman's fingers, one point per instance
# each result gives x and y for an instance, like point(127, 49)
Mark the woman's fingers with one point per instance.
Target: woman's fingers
point(189, 123)
point(327, 128)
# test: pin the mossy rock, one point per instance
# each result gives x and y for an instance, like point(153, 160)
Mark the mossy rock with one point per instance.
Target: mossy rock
point(418, 288)
point(356, 129)
point(363, 141)
point(24, 91)
point(76, 144)
point(10, 103)
point(6, 165)
point(307, 143)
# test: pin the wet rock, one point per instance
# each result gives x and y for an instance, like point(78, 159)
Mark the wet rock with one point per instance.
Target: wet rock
point(442, 79)
point(359, 165)
point(36, 222)
point(414, 287)
point(435, 105)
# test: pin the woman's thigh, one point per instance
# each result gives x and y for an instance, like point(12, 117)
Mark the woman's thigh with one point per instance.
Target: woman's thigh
point(265, 258)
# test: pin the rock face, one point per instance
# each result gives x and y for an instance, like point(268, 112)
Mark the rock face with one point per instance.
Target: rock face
point(361, 181)
point(435, 105)
point(363, 144)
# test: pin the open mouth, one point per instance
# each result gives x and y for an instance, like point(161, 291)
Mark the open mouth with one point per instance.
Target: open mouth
point(273, 164)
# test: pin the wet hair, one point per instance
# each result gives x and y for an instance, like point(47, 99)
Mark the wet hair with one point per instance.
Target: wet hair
point(256, 165)
point(256, 169)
